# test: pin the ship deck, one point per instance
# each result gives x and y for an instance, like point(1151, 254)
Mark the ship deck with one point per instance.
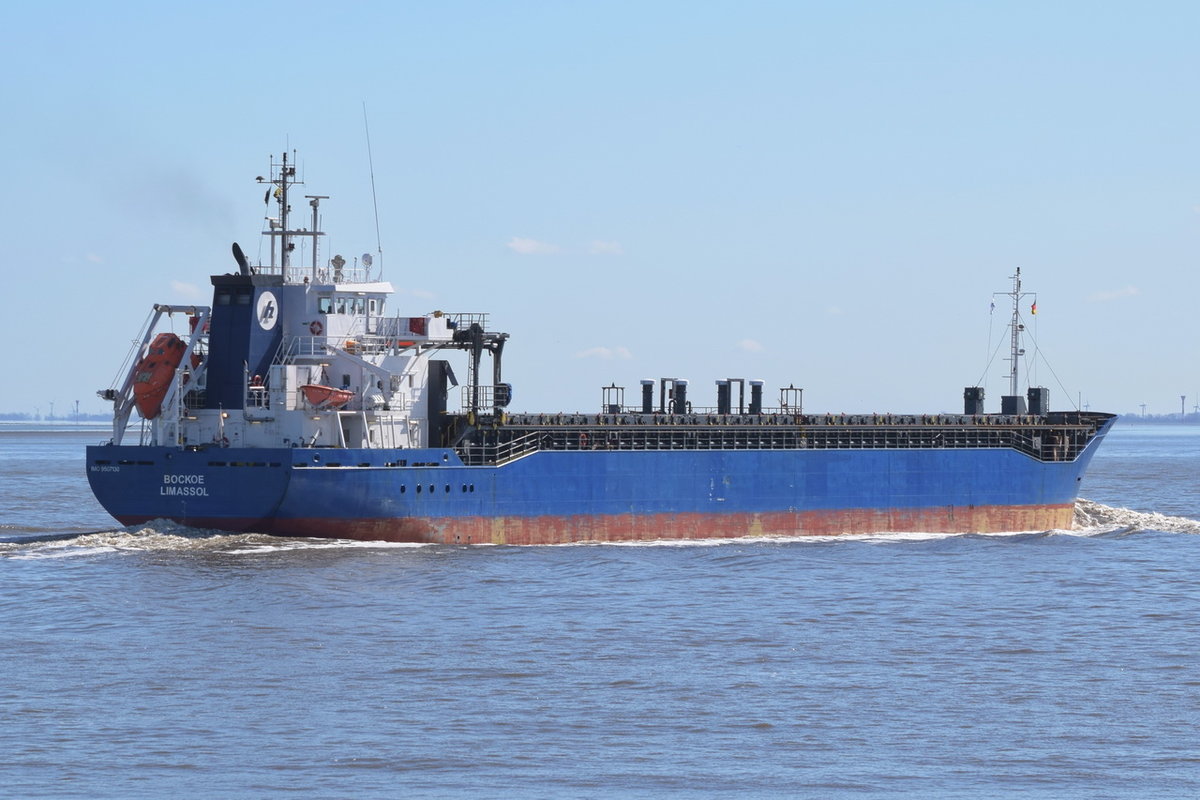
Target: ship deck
point(1055, 437)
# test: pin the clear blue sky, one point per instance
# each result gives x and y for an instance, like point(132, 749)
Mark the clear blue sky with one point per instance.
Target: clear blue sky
point(818, 193)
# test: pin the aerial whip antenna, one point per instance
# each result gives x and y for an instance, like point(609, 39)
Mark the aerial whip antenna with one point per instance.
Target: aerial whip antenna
point(374, 201)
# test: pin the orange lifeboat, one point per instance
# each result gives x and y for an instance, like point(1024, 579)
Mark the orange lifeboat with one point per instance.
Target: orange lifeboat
point(154, 373)
point(325, 396)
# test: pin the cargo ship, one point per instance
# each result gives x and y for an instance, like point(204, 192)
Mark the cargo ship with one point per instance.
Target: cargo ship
point(300, 403)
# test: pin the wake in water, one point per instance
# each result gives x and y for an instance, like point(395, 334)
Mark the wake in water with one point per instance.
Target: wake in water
point(1091, 519)
point(159, 535)
point(162, 535)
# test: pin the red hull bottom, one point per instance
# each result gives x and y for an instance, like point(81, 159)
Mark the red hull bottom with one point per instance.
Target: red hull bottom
point(650, 527)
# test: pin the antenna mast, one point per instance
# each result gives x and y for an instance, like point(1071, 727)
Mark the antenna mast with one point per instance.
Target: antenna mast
point(283, 177)
point(1016, 351)
point(286, 177)
point(1016, 327)
point(374, 201)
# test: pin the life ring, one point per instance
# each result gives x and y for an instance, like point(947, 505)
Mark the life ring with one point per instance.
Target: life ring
point(315, 327)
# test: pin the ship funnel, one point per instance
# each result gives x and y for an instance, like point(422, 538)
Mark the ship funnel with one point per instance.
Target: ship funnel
point(647, 396)
point(1039, 400)
point(680, 404)
point(724, 403)
point(756, 389)
point(240, 258)
point(973, 400)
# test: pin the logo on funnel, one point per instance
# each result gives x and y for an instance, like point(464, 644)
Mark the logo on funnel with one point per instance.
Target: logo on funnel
point(268, 311)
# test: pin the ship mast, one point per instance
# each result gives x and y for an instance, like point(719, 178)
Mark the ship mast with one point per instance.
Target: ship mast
point(1016, 352)
point(284, 245)
point(1016, 327)
point(283, 177)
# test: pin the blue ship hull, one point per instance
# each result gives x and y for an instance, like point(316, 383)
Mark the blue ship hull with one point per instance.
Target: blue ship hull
point(563, 496)
point(298, 404)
